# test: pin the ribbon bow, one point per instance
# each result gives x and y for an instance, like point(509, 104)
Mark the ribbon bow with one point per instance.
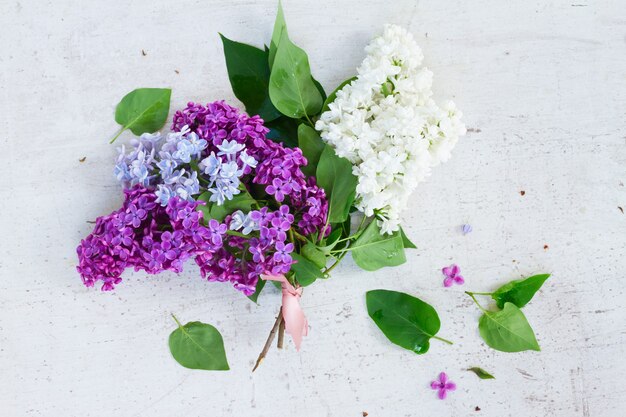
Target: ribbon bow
point(296, 323)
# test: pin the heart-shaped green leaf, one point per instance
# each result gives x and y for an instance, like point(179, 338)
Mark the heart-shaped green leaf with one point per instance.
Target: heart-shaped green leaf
point(334, 175)
point(312, 147)
point(519, 292)
point(405, 320)
point(481, 373)
point(372, 251)
point(507, 330)
point(143, 110)
point(249, 75)
point(291, 88)
point(198, 346)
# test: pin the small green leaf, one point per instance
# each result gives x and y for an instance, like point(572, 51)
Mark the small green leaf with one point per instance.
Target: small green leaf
point(519, 292)
point(372, 251)
point(241, 202)
point(334, 175)
point(279, 27)
point(312, 146)
point(198, 346)
point(405, 240)
point(481, 373)
point(292, 89)
point(314, 254)
point(260, 284)
point(306, 272)
point(507, 330)
point(143, 110)
point(249, 75)
point(283, 130)
point(405, 320)
point(333, 95)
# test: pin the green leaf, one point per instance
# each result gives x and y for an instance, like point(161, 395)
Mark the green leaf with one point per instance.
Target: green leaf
point(405, 240)
point(314, 254)
point(260, 284)
point(279, 27)
point(334, 175)
point(143, 110)
point(306, 272)
point(507, 330)
point(372, 251)
point(519, 292)
point(241, 202)
point(319, 87)
point(249, 75)
point(481, 373)
point(312, 146)
point(198, 346)
point(333, 95)
point(292, 89)
point(405, 320)
point(283, 130)
point(331, 241)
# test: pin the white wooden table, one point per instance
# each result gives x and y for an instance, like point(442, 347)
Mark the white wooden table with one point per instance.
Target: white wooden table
point(543, 89)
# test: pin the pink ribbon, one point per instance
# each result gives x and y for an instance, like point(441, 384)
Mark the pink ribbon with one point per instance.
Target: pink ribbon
point(296, 323)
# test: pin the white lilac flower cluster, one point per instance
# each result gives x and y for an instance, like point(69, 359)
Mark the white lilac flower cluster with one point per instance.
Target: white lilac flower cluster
point(386, 123)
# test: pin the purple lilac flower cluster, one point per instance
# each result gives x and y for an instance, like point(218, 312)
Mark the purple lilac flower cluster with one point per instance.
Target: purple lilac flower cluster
point(145, 236)
point(243, 259)
point(278, 167)
point(159, 226)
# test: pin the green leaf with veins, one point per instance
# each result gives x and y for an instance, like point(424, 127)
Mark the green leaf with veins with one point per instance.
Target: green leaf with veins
point(519, 292)
point(306, 272)
point(198, 345)
point(143, 110)
point(279, 27)
point(291, 88)
point(372, 251)
point(507, 330)
point(314, 254)
point(407, 321)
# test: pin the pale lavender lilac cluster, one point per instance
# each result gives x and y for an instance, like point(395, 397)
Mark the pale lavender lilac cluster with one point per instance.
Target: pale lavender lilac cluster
point(278, 167)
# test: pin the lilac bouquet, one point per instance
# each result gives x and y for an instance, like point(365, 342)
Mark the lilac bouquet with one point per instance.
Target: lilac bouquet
point(281, 192)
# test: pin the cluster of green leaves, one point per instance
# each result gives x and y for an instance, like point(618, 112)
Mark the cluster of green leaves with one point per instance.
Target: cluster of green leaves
point(507, 329)
point(276, 83)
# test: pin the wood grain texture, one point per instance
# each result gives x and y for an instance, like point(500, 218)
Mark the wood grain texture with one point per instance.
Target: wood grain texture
point(542, 86)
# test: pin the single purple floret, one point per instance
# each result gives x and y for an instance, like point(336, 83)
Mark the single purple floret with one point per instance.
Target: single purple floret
point(443, 385)
point(452, 275)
